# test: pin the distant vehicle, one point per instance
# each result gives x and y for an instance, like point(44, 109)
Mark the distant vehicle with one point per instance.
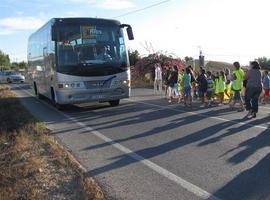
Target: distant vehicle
point(11, 77)
point(76, 60)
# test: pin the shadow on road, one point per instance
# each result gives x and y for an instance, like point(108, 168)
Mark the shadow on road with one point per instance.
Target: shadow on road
point(148, 153)
point(235, 130)
point(155, 115)
point(253, 183)
point(250, 184)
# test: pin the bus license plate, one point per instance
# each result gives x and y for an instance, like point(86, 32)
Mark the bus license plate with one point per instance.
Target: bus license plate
point(98, 97)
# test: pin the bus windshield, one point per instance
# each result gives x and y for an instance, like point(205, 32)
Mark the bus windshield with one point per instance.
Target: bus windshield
point(90, 46)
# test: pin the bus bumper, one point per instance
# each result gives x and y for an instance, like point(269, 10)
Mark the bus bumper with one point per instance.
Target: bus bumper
point(84, 95)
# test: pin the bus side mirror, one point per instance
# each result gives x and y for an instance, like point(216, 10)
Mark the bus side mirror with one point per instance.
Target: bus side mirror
point(130, 33)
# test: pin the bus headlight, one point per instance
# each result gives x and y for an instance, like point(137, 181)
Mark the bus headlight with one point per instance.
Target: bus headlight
point(126, 82)
point(121, 82)
point(71, 85)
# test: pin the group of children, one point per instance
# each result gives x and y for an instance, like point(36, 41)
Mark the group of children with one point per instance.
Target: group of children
point(186, 85)
point(206, 86)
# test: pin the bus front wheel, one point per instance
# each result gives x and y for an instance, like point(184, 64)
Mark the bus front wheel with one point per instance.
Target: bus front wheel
point(38, 95)
point(114, 103)
point(35, 89)
point(54, 102)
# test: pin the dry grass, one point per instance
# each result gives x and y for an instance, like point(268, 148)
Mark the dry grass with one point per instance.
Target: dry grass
point(32, 164)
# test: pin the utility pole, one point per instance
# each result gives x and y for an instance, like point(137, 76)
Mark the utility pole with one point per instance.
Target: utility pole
point(201, 58)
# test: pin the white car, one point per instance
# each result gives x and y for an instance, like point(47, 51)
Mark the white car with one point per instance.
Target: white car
point(11, 77)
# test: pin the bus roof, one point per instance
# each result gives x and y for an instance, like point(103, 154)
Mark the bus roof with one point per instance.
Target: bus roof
point(85, 20)
point(82, 20)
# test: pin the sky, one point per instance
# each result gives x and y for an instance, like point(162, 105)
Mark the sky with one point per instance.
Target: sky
point(225, 30)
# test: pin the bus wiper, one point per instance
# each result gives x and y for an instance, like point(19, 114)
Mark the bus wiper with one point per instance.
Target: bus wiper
point(85, 64)
point(92, 62)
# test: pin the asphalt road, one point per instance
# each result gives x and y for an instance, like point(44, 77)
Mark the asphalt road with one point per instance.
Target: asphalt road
point(149, 149)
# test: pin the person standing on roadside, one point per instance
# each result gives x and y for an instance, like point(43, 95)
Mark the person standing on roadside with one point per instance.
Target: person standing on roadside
point(221, 87)
point(243, 93)
point(173, 87)
point(193, 82)
point(237, 85)
point(202, 84)
point(210, 88)
point(180, 84)
point(187, 87)
point(228, 84)
point(266, 87)
point(254, 89)
point(158, 79)
point(166, 79)
point(216, 88)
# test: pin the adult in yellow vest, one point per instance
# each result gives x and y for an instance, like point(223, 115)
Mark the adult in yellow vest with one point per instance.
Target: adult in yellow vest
point(237, 85)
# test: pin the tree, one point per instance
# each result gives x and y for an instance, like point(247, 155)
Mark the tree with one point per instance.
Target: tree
point(18, 65)
point(134, 56)
point(264, 62)
point(163, 58)
point(148, 46)
point(146, 65)
point(22, 65)
point(14, 66)
point(188, 59)
point(4, 60)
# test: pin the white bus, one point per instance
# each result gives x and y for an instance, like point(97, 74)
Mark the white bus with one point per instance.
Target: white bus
point(77, 60)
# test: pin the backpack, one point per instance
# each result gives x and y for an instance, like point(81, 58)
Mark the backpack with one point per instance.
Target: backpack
point(171, 82)
point(204, 83)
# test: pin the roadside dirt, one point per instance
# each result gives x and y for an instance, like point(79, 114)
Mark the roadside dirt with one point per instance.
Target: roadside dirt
point(33, 165)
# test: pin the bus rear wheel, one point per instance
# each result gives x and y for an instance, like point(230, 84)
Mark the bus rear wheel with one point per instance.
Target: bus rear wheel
point(114, 103)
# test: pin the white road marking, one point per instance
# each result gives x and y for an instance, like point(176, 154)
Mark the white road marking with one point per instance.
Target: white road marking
point(200, 114)
point(264, 107)
point(162, 171)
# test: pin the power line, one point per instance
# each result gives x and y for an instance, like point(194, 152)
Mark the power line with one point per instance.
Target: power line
point(141, 9)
